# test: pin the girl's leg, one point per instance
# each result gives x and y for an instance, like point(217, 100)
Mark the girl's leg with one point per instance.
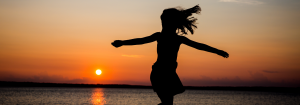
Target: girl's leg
point(166, 99)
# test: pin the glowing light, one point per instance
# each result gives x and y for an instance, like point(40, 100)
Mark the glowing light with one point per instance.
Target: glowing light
point(98, 97)
point(98, 71)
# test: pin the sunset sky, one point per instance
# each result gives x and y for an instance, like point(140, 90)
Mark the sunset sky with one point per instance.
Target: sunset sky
point(66, 41)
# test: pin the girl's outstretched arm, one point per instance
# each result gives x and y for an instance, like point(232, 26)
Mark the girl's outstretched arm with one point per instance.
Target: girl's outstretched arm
point(136, 41)
point(204, 47)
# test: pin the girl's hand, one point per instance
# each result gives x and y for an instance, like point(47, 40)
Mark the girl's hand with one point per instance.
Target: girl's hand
point(117, 43)
point(223, 53)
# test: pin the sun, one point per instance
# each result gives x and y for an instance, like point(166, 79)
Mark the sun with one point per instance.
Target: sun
point(98, 71)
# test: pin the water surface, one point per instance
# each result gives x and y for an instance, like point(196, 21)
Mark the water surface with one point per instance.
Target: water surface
point(128, 96)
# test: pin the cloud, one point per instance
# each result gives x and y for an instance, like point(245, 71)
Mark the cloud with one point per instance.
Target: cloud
point(270, 71)
point(258, 79)
point(252, 2)
point(134, 56)
point(207, 81)
point(44, 77)
point(41, 77)
point(258, 76)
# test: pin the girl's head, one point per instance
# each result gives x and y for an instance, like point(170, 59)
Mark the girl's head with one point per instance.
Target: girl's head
point(178, 18)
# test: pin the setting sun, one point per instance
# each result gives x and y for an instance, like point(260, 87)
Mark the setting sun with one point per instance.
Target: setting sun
point(98, 71)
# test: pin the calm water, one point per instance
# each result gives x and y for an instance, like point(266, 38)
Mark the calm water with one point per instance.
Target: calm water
point(119, 96)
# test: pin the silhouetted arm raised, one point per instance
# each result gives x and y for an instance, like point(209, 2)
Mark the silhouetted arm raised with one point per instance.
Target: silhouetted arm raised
point(136, 41)
point(204, 47)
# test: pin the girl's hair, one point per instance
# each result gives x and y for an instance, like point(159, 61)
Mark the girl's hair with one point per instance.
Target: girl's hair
point(183, 19)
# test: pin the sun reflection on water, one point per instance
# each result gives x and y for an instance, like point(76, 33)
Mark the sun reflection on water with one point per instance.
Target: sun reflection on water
point(98, 97)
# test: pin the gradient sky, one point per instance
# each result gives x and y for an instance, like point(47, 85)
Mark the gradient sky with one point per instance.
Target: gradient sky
point(65, 41)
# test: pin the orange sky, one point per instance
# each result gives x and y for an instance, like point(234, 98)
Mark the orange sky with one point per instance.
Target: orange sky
point(66, 41)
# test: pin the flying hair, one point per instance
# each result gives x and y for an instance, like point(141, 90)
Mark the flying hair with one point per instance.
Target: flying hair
point(188, 22)
point(185, 21)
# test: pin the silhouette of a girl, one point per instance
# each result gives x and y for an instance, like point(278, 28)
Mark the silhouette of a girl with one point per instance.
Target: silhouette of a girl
point(165, 81)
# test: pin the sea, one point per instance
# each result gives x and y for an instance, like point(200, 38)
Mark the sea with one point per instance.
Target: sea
point(131, 96)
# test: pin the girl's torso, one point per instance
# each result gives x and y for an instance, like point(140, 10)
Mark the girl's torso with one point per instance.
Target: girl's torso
point(168, 47)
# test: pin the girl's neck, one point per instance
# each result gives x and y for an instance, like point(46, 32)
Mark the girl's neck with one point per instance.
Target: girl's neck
point(168, 31)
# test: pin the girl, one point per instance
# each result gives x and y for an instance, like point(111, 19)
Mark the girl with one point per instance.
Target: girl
point(164, 80)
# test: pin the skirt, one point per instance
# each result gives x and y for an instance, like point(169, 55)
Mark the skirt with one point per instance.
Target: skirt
point(165, 80)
